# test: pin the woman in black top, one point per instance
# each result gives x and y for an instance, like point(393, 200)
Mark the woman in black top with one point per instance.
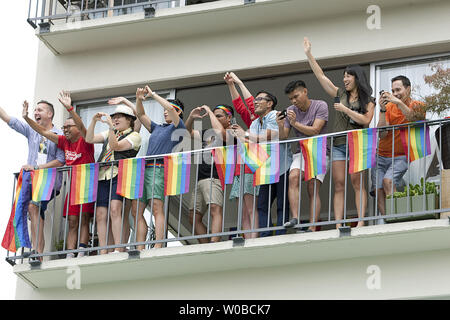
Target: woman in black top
point(354, 111)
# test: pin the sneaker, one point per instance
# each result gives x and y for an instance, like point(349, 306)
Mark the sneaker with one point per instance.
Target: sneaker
point(81, 253)
point(70, 255)
point(291, 223)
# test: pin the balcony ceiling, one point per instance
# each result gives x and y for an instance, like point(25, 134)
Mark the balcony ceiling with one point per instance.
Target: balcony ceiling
point(224, 16)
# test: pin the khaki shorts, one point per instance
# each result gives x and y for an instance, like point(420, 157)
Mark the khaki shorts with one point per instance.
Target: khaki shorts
point(296, 165)
point(204, 189)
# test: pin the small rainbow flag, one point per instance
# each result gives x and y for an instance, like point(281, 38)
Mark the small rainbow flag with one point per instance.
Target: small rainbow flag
point(177, 169)
point(43, 181)
point(314, 151)
point(362, 148)
point(130, 179)
point(16, 234)
point(270, 170)
point(419, 142)
point(252, 154)
point(225, 161)
point(84, 184)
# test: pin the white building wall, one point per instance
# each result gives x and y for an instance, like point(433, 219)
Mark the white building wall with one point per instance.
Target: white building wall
point(405, 31)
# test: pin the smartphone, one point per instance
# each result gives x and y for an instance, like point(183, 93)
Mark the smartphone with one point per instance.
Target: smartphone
point(282, 115)
point(337, 100)
point(233, 121)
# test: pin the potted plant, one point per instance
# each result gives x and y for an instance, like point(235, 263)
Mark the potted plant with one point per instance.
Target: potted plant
point(401, 201)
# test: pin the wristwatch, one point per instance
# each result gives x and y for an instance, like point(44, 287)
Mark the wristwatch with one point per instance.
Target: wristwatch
point(36, 167)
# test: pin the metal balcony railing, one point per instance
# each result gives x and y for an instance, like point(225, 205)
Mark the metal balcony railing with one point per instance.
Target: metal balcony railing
point(176, 211)
point(43, 13)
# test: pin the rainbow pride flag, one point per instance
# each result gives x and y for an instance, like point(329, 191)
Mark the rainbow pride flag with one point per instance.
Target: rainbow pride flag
point(43, 182)
point(16, 234)
point(252, 154)
point(225, 161)
point(314, 151)
point(84, 184)
point(362, 148)
point(419, 142)
point(130, 179)
point(177, 170)
point(269, 172)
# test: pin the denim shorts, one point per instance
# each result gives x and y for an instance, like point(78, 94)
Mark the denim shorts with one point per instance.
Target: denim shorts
point(248, 186)
point(339, 152)
point(385, 170)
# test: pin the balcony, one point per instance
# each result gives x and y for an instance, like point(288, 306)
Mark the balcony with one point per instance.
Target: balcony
point(391, 233)
point(67, 27)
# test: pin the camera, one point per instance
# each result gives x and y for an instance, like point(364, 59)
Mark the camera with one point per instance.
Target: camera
point(283, 114)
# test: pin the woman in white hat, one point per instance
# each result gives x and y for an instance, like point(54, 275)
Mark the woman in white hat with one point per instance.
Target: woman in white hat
point(119, 142)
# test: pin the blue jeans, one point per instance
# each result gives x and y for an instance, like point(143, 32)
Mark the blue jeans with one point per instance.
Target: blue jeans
point(276, 191)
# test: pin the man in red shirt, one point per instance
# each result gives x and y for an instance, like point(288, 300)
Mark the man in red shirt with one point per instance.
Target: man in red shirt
point(76, 151)
point(395, 108)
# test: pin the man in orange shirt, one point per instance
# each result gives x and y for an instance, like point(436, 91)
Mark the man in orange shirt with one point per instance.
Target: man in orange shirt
point(395, 108)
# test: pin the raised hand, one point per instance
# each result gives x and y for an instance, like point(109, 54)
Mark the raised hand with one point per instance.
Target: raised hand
point(25, 109)
point(149, 92)
point(117, 100)
point(306, 45)
point(228, 79)
point(196, 113)
point(64, 98)
point(141, 94)
point(235, 77)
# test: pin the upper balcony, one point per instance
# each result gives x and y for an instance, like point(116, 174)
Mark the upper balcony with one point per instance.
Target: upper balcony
point(83, 25)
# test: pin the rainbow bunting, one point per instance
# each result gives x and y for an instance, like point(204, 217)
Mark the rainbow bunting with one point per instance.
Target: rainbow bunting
point(362, 148)
point(16, 234)
point(130, 180)
point(84, 184)
point(419, 142)
point(269, 172)
point(177, 170)
point(314, 151)
point(225, 161)
point(43, 182)
point(252, 154)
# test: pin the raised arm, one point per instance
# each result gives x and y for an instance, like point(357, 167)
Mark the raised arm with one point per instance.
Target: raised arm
point(231, 86)
point(194, 115)
point(66, 101)
point(172, 114)
point(140, 112)
point(4, 116)
point(247, 115)
point(128, 103)
point(245, 92)
point(215, 123)
point(38, 128)
point(326, 83)
point(97, 138)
